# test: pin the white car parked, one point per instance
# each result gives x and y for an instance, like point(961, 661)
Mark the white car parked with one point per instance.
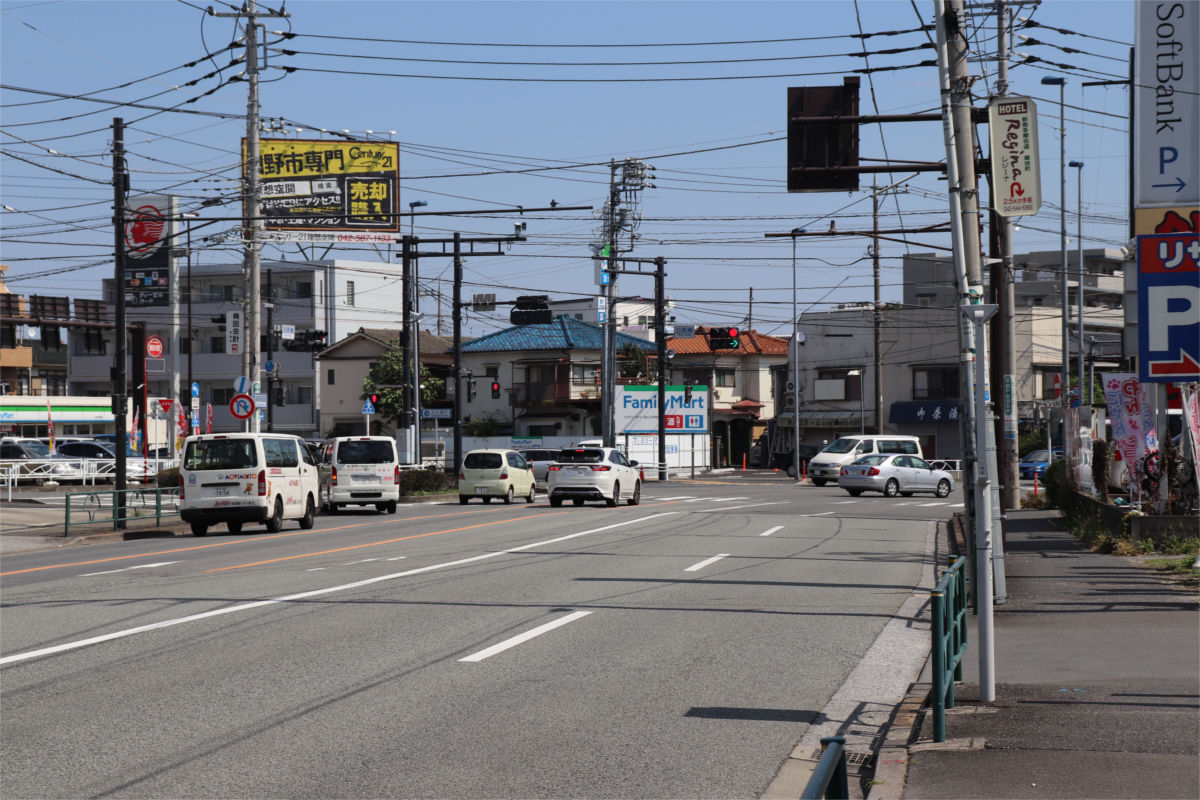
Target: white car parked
point(593, 473)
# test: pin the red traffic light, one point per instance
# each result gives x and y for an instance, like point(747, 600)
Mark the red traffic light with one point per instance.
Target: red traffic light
point(374, 399)
point(733, 333)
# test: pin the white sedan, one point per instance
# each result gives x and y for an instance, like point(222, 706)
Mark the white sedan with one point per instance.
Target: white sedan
point(894, 475)
point(593, 473)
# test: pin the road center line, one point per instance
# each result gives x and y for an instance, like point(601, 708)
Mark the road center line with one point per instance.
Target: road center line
point(167, 623)
point(769, 531)
point(126, 569)
point(706, 562)
point(524, 637)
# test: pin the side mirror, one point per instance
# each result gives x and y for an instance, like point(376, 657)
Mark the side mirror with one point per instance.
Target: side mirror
point(633, 463)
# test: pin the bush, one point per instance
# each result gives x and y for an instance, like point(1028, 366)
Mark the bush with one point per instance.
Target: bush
point(426, 481)
point(168, 478)
point(1055, 481)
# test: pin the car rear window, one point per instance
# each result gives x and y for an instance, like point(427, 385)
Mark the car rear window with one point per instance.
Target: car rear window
point(580, 456)
point(540, 455)
point(220, 454)
point(369, 452)
point(483, 461)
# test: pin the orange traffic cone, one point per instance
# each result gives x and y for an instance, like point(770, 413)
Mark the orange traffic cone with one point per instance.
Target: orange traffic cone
point(642, 473)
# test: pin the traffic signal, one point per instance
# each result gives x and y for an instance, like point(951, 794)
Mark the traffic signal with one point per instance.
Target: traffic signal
point(471, 390)
point(725, 339)
point(687, 395)
point(531, 309)
point(375, 400)
point(495, 390)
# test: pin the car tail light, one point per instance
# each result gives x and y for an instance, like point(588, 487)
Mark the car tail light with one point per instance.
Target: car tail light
point(504, 476)
point(262, 483)
point(554, 468)
point(873, 471)
point(601, 468)
point(181, 487)
point(396, 475)
point(333, 476)
point(462, 476)
point(845, 471)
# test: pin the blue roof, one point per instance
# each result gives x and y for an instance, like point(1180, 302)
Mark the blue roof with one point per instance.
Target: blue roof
point(564, 333)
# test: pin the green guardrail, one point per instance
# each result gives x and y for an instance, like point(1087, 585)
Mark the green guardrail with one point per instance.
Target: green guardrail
point(949, 610)
point(140, 504)
point(831, 779)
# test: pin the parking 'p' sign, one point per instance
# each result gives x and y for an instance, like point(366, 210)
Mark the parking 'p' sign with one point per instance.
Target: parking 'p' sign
point(242, 406)
point(154, 347)
point(1169, 307)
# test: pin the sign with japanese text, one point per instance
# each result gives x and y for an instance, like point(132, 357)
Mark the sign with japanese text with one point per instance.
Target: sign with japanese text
point(1016, 174)
point(148, 236)
point(323, 190)
point(1168, 307)
point(233, 333)
point(1131, 414)
point(637, 409)
point(1166, 104)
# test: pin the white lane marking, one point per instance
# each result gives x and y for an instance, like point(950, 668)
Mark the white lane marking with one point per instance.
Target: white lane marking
point(126, 569)
point(822, 514)
point(845, 502)
point(706, 562)
point(747, 505)
point(927, 505)
point(769, 531)
point(524, 637)
point(396, 558)
point(315, 569)
point(361, 561)
point(168, 623)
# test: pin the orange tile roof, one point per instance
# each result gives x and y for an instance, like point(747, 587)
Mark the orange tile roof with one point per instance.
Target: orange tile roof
point(753, 343)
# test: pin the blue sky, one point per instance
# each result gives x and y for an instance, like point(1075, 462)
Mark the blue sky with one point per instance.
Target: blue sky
point(717, 145)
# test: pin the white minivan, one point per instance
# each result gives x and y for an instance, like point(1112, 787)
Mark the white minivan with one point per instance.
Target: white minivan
point(237, 478)
point(360, 471)
point(827, 464)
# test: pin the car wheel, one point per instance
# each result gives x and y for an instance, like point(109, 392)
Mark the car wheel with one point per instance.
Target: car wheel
point(462, 499)
point(943, 488)
point(508, 496)
point(334, 508)
point(906, 494)
point(555, 502)
point(637, 494)
point(854, 492)
point(818, 481)
point(616, 496)
point(381, 508)
point(577, 501)
point(275, 521)
point(234, 527)
point(891, 488)
point(199, 529)
point(532, 494)
point(310, 515)
point(391, 507)
point(487, 499)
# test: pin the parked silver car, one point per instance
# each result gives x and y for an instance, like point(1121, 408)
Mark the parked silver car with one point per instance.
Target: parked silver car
point(894, 475)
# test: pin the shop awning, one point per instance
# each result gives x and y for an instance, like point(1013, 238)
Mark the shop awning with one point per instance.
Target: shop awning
point(828, 419)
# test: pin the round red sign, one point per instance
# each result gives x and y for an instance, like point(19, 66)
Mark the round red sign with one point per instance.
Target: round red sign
point(154, 347)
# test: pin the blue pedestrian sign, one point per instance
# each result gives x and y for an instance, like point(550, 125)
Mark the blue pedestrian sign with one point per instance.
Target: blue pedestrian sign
point(368, 407)
point(195, 390)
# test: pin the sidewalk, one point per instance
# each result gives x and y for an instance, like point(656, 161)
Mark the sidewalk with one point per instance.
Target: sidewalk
point(1097, 684)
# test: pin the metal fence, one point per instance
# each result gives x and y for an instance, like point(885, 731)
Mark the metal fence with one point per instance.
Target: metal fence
point(831, 778)
point(101, 506)
point(949, 611)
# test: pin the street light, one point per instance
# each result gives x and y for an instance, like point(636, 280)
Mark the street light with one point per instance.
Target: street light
point(1078, 166)
point(794, 349)
point(1061, 83)
point(415, 336)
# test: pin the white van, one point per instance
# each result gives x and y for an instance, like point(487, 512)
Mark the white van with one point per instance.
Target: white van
point(360, 471)
point(827, 464)
point(247, 477)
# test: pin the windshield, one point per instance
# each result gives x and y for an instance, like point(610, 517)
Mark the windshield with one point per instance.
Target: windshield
point(580, 456)
point(841, 446)
point(36, 450)
point(220, 454)
point(483, 461)
point(369, 452)
point(1038, 455)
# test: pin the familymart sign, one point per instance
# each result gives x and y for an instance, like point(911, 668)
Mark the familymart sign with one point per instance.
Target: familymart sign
point(637, 409)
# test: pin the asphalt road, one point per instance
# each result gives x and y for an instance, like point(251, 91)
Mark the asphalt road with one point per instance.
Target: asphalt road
point(681, 648)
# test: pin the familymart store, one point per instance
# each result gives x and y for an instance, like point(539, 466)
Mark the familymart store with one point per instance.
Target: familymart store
point(29, 416)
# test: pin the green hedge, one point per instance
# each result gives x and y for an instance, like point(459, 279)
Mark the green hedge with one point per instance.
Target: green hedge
point(426, 481)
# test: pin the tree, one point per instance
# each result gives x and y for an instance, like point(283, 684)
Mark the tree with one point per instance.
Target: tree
point(392, 371)
point(633, 366)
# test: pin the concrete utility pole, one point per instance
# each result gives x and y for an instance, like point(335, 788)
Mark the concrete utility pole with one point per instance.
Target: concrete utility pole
point(253, 225)
point(1005, 291)
point(877, 390)
point(120, 393)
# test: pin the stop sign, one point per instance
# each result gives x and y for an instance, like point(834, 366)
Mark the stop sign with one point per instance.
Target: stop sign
point(154, 347)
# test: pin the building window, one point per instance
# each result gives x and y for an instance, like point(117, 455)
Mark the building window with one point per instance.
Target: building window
point(724, 377)
point(329, 377)
point(304, 289)
point(216, 344)
point(935, 383)
point(303, 395)
point(843, 383)
point(221, 397)
point(349, 293)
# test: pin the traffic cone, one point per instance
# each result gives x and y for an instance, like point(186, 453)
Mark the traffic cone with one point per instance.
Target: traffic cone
point(642, 473)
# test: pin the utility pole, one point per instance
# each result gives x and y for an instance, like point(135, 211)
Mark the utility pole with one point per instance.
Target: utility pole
point(120, 395)
point(1005, 293)
point(878, 318)
point(270, 354)
point(253, 225)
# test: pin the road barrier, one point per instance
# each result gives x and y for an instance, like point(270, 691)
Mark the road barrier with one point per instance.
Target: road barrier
point(139, 504)
point(830, 779)
point(949, 611)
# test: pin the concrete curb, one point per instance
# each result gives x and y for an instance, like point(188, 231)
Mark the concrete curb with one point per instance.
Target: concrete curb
point(891, 762)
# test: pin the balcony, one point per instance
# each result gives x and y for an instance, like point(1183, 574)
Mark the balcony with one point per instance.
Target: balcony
point(526, 395)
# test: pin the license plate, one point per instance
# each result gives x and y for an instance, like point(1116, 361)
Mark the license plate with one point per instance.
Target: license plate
point(363, 478)
point(222, 493)
point(481, 490)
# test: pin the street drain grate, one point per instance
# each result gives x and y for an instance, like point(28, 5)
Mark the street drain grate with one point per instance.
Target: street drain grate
point(857, 760)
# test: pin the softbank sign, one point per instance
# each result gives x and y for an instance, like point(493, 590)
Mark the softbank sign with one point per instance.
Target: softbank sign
point(637, 409)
